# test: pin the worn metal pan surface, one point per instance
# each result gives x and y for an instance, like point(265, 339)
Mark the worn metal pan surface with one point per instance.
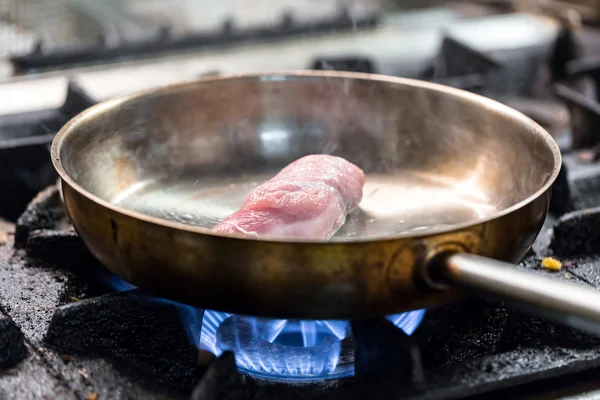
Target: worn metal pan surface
point(145, 177)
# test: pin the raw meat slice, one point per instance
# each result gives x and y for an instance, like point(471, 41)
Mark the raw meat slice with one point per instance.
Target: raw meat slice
point(308, 199)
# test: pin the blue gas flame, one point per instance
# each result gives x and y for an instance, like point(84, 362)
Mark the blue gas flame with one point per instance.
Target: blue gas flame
point(287, 349)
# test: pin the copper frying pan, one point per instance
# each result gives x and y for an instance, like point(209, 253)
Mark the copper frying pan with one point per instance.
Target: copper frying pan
point(449, 175)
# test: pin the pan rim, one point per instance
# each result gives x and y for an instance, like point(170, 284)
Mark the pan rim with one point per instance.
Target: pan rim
point(70, 127)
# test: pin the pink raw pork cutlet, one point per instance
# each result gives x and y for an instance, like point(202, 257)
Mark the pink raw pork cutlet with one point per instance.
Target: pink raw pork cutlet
point(308, 199)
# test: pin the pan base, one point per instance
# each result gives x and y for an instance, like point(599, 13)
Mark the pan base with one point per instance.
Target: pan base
point(403, 204)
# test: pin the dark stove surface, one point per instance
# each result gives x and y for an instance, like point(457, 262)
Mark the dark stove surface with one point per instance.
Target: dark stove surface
point(66, 334)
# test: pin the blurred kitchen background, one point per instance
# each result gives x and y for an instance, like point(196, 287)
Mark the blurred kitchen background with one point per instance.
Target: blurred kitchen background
point(113, 46)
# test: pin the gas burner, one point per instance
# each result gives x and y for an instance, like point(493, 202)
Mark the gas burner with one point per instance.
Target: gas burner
point(271, 349)
point(289, 350)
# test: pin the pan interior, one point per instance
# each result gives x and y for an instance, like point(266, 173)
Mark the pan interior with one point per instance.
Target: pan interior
point(434, 158)
point(407, 203)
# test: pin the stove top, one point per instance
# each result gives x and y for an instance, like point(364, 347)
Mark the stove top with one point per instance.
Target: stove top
point(69, 329)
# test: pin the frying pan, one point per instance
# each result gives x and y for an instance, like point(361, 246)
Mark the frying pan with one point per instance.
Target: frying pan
point(458, 187)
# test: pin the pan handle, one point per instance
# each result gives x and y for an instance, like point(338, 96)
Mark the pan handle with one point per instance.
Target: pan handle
point(565, 302)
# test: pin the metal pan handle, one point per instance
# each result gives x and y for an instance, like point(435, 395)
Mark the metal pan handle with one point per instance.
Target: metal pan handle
point(565, 302)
